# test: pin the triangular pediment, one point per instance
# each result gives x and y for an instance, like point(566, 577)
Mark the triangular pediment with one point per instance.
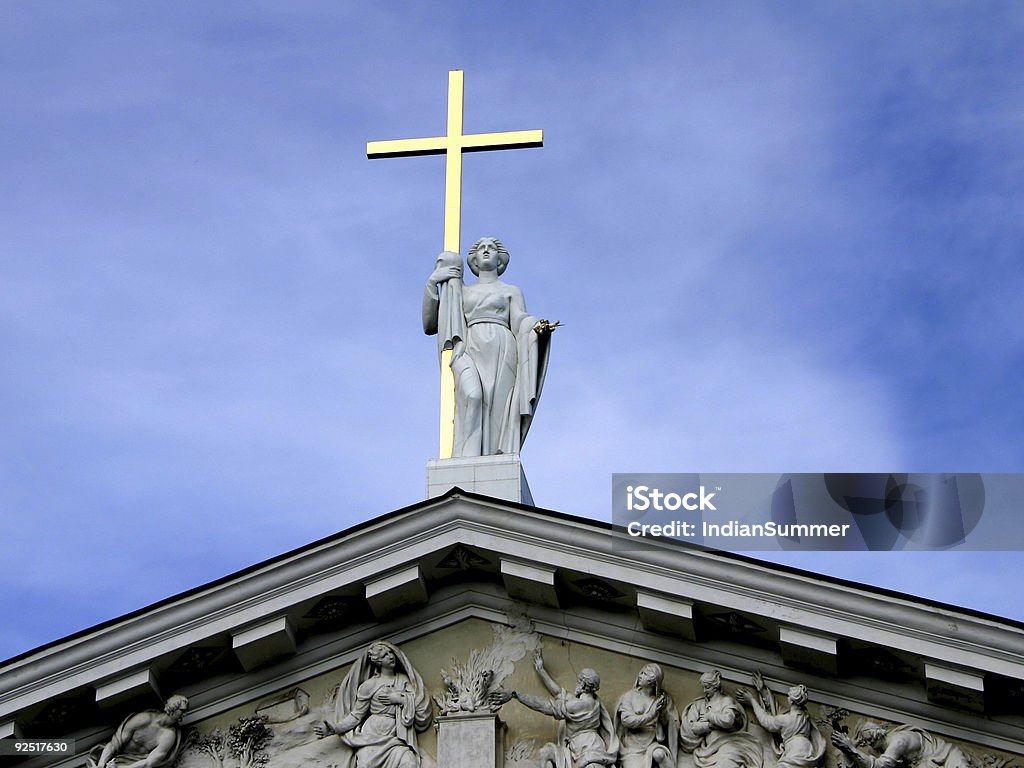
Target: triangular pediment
point(439, 576)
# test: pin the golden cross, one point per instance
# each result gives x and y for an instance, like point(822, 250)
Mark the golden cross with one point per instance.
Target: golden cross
point(452, 145)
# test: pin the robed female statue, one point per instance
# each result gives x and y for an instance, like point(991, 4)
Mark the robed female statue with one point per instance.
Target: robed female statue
point(499, 351)
point(380, 707)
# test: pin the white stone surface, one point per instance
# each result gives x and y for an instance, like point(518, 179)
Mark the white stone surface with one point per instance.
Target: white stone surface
point(499, 476)
point(808, 640)
point(968, 680)
point(10, 730)
point(470, 741)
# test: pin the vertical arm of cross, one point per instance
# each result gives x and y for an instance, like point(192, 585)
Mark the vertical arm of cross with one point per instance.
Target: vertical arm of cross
point(452, 241)
point(453, 163)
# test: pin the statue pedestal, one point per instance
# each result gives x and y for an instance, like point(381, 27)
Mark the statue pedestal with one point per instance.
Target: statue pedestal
point(470, 741)
point(499, 476)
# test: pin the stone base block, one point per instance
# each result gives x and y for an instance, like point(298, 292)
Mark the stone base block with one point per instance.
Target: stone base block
point(470, 741)
point(499, 476)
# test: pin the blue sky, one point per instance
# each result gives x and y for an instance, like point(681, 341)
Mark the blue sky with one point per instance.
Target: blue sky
point(780, 236)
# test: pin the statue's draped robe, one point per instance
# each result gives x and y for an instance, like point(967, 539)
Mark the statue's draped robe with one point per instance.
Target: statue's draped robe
point(586, 736)
point(496, 354)
point(639, 734)
point(803, 745)
point(727, 745)
point(386, 734)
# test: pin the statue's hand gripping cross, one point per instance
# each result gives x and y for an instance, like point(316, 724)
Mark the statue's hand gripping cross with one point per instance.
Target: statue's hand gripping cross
point(452, 146)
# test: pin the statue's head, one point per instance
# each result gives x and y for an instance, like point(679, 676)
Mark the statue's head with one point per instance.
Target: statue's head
point(650, 674)
point(798, 695)
point(588, 681)
point(871, 735)
point(176, 706)
point(381, 655)
point(711, 682)
point(472, 258)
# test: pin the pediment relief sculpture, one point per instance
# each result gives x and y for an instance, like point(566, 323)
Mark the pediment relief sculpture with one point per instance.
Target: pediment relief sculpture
point(713, 729)
point(379, 716)
point(797, 741)
point(468, 685)
point(647, 723)
point(381, 706)
point(149, 739)
point(586, 733)
point(901, 746)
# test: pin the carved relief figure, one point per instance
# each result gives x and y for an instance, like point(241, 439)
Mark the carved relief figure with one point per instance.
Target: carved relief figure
point(711, 728)
point(380, 707)
point(499, 352)
point(586, 733)
point(468, 686)
point(901, 747)
point(149, 739)
point(646, 723)
point(802, 744)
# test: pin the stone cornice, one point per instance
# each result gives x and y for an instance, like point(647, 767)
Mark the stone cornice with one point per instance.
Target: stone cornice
point(348, 562)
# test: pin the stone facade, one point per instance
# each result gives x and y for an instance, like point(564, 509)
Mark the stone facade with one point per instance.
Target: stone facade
point(470, 592)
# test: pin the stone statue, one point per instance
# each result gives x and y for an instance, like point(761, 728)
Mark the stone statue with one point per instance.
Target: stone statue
point(712, 729)
point(646, 723)
point(380, 706)
point(150, 739)
point(802, 744)
point(901, 747)
point(586, 733)
point(499, 352)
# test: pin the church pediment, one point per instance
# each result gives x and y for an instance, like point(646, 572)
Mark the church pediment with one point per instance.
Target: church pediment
point(444, 578)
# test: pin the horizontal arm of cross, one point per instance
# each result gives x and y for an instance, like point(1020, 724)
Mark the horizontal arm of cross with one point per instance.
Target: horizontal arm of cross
point(480, 142)
point(406, 147)
point(437, 145)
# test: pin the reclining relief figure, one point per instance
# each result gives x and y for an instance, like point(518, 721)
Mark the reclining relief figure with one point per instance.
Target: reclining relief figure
point(150, 739)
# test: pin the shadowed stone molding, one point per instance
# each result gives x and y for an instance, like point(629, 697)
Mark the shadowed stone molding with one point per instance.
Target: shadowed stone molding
point(396, 591)
point(810, 650)
point(956, 687)
point(530, 582)
point(136, 684)
point(668, 615)
point(264, 642)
